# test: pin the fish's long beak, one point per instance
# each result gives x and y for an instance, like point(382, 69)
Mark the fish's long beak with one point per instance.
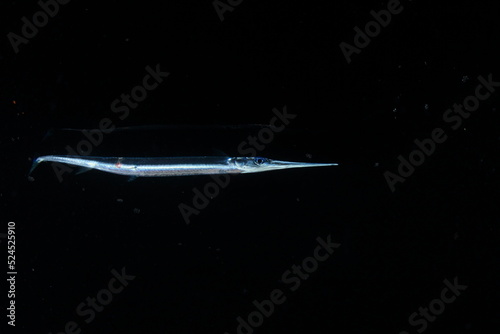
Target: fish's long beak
point(277, 164)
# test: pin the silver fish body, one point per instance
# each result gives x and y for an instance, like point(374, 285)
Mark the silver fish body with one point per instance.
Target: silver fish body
point(176, 166)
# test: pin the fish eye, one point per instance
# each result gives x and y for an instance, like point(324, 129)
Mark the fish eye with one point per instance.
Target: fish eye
point(259, 161)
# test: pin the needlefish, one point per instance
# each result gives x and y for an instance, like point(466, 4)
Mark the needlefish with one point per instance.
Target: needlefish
point(176, 166)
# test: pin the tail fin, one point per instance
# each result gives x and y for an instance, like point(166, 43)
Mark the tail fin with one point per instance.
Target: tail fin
point(35, 164)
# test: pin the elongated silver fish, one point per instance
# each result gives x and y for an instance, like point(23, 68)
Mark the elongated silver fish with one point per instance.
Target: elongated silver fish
point(176, 166)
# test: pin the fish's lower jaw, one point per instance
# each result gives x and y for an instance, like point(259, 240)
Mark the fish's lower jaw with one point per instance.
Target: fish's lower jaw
point(286, 167)
point(326, 165)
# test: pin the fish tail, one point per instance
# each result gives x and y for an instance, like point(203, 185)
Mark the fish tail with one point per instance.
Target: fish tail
point(35, 164)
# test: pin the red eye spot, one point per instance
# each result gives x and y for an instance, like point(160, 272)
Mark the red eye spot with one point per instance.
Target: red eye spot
point(118, 164)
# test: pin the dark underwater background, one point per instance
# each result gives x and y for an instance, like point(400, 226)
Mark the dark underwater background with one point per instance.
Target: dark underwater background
point(225, 79)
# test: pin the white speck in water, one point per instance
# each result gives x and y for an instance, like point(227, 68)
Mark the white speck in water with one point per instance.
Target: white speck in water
point(426, 106)
point(309, 155)
point(119, 200)
point(465, 78)
point(376, 164)
point(137, 210)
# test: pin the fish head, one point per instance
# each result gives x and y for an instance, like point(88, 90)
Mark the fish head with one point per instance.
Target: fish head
point(251, 164)
point(261, 164)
